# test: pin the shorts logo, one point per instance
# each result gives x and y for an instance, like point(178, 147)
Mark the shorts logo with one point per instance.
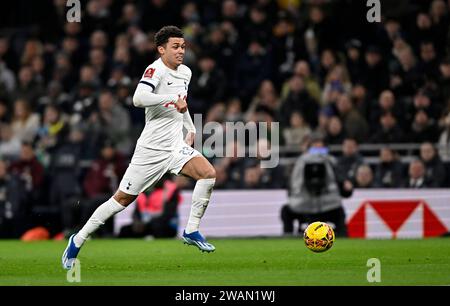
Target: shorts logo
point(128, 185)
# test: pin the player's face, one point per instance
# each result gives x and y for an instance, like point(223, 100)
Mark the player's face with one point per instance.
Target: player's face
point(173, 51)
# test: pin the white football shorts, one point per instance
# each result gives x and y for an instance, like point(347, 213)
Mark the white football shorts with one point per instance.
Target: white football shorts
point(148, 166)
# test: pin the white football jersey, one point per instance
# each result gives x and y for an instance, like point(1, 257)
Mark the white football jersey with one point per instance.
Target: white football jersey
point(163, 123)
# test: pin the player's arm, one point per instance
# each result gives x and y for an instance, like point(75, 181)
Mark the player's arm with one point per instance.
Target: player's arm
point(190, 127)
point(187, 120)
point(144, 95)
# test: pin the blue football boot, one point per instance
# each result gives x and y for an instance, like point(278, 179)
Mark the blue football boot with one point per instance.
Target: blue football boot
point(70, 254)
point(195, 238)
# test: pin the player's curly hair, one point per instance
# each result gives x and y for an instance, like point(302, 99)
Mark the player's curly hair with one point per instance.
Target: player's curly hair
point(163, 35)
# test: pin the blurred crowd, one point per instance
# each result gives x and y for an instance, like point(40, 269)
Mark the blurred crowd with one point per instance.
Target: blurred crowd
point(68, 125)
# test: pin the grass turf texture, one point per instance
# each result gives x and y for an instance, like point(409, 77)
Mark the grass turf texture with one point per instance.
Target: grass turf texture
point(235, 262)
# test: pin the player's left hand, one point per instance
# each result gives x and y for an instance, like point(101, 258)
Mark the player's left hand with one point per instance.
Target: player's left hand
point(181, 105)
point(189, 138)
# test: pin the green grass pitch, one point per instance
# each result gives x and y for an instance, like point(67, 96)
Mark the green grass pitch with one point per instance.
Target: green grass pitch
point(260, 262)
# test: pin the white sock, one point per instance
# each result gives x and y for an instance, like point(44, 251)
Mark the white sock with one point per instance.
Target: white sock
point(200, 200)
point(98, 218)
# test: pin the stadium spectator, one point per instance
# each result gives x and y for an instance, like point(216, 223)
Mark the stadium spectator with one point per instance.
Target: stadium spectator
point(337, 83)
point(208, 85)
point(63, 71)
point(295, 135)
point(302, 69)
point(444, 79)
point(439, 14)
point(388, 130)
point(56, 96)
point(286, 46)
point(434, 168)
point(7, 79)
point(423, 128)
point(376, 74)
point(386, 103)
point(5, 114)
point(355, 61)
point(298, 99)
point(9, 145)
point(28, 168)
point(13, 208)
point(257, 177)
point(257, 25)
point(335, 131)
point(27, 87)
point(253, 67)
point(444, 137)
point(405, 77)
point(416, 175)
point(265, 100)
point(327, 62)
point(422, 102)
point(112, 121)
point(25, 123)
point(233, 111)
point(362, 101)
point(322, 27)
point(8, 56)
point(53, 131)
point(350, 160)
point(389, 171)
point(423, 30)
point(355, 125)
point(30, 171)
point(230, 169)
point(364, 177)
point(428, 64)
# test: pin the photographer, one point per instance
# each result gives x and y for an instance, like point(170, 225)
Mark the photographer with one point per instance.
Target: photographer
point(316, 191)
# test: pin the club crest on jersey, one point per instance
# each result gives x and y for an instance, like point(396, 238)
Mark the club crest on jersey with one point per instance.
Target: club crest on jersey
point(149, 73)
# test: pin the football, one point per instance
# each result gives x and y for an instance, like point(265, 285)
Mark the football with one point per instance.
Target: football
point(318, 237)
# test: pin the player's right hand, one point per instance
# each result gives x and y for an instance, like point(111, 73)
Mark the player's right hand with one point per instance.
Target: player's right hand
point(181, 105)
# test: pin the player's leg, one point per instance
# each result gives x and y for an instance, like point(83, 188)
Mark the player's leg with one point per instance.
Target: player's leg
point(204, 173)
point(146, 168)
point(115, 204)
point(129, 188)
point(112, 206)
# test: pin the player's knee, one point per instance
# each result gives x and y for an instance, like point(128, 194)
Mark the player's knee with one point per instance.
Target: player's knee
point(209, 173)
point(124, 199)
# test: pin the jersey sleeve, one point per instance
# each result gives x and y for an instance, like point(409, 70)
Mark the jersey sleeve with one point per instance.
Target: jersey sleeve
point(144, 95)
point(152, 76)
point(187, 122)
